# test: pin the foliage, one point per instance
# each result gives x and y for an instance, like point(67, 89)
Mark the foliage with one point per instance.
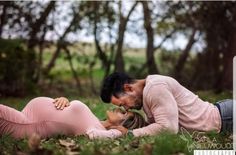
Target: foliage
point(14, 77)
point(38, 64)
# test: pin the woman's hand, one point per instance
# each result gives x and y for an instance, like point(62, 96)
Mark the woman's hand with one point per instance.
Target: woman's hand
point(61, 103)
point(122, 129)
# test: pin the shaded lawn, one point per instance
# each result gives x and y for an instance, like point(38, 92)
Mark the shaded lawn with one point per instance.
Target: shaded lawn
point(165, 143)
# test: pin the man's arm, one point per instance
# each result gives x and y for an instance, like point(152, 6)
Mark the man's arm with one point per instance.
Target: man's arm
point(164, 109)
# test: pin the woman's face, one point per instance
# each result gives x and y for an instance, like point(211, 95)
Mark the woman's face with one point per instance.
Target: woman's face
point(117, 116)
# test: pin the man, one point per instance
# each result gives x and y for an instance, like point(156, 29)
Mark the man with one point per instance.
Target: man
point(167, 104)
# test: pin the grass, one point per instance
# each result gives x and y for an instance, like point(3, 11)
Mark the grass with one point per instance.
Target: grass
point(164, 144)
point(62, 84)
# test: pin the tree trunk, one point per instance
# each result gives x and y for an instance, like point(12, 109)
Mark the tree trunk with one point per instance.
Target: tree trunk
point(119, 60)
point(40, 56)
point(35, 27)
point(207, 66)
point(77, 80)
point(227, 77)
point(51, 63)
point(3, 17)
point(184, 55)
point(101, 54)
point(60, 43)
point(151, 64)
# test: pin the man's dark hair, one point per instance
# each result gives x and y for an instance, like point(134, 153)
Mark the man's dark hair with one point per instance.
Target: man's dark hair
point(113, 85)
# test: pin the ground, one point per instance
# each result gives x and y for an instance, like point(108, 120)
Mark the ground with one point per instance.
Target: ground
point(61, 83)
point(165, 143)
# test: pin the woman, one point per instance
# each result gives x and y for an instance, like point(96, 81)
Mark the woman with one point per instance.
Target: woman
point(41, 117)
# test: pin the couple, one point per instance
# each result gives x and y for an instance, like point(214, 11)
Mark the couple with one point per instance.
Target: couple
point(167, 105)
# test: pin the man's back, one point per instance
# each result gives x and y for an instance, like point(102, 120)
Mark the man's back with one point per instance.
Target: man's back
point(165, 93)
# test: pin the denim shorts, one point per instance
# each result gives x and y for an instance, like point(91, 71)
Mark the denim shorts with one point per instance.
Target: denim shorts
point(226, 112)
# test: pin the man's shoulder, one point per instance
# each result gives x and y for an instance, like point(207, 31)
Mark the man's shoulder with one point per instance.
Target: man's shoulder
point(156, 79)
point(153, 85)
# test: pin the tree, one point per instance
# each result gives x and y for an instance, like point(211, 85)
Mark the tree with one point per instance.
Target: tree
point(215, 63)
point(229, 53)
point(123, 20)
point(106, 13)
point(151, 64)
point(184, 55)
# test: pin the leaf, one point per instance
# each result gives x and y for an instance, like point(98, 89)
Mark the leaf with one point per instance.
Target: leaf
point(70, 145)
point(134, 143)
point(117, 142)
point(147, 149)
point(34, 142)
point(67, 143)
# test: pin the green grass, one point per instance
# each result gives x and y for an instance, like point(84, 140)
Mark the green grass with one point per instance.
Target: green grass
point(61, 83)
point(163, 144)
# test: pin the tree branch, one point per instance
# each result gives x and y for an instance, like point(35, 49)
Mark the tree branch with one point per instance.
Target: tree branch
point(166, 37)
point(183, 57)
point(78, 84)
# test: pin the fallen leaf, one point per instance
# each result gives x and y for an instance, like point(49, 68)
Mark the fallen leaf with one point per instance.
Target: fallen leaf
point(147, 149)
point(67, 142)
point(116, 142)
point(134, 143)
point(70, 145)
point(34, 141)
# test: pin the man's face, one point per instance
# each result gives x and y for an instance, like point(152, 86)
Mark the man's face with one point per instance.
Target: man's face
point(129, 100)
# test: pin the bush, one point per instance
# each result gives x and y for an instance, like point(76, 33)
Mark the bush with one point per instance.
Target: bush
point(14, 77)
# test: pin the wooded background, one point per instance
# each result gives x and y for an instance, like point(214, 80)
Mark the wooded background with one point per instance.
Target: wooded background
point(33, 63)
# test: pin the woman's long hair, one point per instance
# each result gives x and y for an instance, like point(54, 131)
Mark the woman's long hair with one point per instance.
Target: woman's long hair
point(134, 121)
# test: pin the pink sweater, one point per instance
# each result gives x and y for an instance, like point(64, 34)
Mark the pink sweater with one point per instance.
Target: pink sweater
point(40, 116)
point(169, 105)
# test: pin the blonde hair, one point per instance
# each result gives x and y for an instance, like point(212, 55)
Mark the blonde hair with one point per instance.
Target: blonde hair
point(134, 121)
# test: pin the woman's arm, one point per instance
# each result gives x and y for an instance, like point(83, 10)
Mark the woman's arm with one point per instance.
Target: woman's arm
point(61, 103)
point(97, 133)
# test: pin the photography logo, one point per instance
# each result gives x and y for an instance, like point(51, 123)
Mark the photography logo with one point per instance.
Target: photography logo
point(197, 140)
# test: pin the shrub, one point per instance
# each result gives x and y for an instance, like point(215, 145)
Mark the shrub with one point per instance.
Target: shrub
point(14, 77)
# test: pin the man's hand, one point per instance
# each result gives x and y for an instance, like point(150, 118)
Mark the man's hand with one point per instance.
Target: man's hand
point(61, 103)
point(122, 129)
